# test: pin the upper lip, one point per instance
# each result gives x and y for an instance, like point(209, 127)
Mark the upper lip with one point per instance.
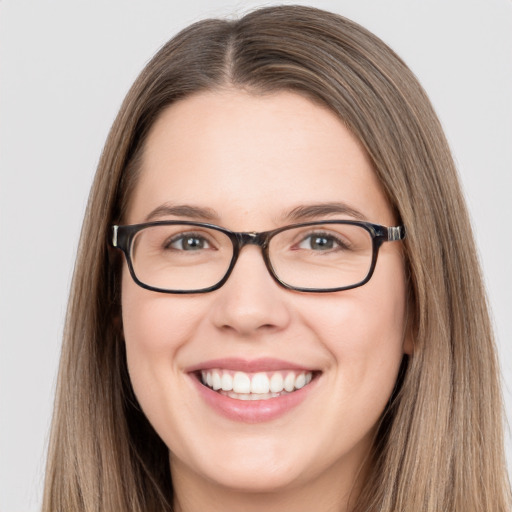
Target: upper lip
point(265, 364)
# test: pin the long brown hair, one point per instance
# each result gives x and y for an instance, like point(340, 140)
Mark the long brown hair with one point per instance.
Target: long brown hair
point(440, 444)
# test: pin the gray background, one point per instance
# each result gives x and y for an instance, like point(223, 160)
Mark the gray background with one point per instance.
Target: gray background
point(65, 66)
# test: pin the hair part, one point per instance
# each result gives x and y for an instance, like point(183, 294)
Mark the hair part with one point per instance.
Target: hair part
point(440, 445)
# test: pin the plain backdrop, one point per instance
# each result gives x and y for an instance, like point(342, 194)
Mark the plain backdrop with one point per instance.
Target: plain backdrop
point(65, 66)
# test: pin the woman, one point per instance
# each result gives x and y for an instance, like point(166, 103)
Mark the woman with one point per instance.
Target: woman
point(345, 364)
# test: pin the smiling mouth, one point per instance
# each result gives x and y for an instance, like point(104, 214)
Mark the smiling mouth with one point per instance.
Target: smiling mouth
point(255, 386)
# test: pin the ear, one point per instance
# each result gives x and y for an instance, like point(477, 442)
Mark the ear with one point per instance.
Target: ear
point(117, 321)
point(408, 344)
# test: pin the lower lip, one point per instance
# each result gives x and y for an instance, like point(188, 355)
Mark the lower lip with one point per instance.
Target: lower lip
point(252, 411)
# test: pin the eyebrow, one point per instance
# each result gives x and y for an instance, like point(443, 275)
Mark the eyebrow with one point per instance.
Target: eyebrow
point(297, 214)
point(183, 210)
point(315, 211)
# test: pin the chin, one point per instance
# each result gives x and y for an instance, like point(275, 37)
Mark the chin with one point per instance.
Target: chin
point(256, 478)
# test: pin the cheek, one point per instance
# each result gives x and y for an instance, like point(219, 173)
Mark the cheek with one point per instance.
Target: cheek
point(360, 323)
point(155, 327)
point(364, 329)
point(153, 322)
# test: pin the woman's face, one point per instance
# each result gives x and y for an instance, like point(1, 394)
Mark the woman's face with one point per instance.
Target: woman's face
point(251, 163)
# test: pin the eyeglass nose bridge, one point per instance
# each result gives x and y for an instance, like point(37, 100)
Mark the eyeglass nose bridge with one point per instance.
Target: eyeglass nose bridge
point(251, 238)
point(241, 239)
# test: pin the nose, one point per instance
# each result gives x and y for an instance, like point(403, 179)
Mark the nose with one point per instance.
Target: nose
point(251, 302)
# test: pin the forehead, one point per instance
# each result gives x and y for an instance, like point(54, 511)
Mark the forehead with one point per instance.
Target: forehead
point(250, 157)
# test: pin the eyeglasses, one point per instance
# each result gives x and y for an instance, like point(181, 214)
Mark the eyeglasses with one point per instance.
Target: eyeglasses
point(194, 257)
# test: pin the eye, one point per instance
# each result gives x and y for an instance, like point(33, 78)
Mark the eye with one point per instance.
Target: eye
point(321, 242)
point(188, 242)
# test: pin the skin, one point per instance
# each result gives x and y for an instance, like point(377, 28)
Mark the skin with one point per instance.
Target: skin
point(252, 159)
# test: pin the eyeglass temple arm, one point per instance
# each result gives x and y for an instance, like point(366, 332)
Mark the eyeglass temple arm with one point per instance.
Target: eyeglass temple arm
point(114, 236)
point(396, 233)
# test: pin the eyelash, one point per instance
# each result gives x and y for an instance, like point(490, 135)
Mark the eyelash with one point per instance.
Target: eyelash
point(329, 236)
point(184, 236)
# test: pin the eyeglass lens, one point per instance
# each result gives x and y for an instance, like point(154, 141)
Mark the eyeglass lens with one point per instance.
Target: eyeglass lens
point(185, 257)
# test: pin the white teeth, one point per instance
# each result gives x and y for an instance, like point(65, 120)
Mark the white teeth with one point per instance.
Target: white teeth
point(257, 386)
point(260, 383)
point(226, 382)
point(300, 381)
point(250, 396)
point(276, 383)
point(241, 383)
point(216, 381)
point(289, 382)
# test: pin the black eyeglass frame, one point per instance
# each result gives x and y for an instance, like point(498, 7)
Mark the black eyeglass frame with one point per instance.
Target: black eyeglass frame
point(122, 238)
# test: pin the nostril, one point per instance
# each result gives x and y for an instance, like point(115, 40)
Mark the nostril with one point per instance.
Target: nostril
point(247, 331)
